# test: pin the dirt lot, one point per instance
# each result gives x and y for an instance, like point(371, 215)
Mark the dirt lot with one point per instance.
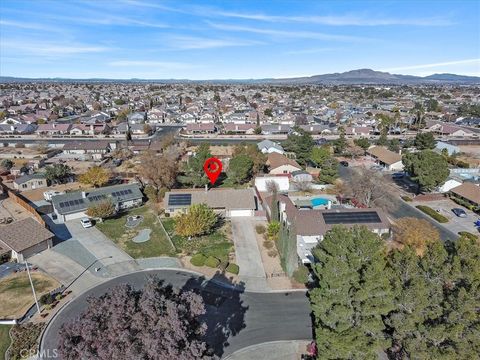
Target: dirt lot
point(9, 208)
point(16, 294)
point(37, 194)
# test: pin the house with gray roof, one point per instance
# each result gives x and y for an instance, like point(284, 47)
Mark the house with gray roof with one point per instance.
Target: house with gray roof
point(268, 146)
point(226, 202)
point(30, 182)
point(73, 205)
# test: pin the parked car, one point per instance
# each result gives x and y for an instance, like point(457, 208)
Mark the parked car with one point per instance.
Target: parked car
point(459, 212)
point(344, 163)
point(398, 175)
point(86, 222)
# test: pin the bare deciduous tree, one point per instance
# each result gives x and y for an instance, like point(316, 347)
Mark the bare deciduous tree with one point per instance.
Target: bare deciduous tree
point(156, 322)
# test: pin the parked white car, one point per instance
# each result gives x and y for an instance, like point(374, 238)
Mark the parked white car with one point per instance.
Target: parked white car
point(47, 195)
point(86, 222)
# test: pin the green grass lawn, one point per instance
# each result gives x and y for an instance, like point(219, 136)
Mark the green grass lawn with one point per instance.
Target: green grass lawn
point(216, 244)
point(4, 340)
point(158, 245)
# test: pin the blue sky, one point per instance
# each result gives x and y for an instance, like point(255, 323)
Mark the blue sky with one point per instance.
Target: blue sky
point(236, 39)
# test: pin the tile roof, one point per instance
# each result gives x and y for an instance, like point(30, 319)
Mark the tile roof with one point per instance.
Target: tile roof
point(276, 160)
point(23, 234)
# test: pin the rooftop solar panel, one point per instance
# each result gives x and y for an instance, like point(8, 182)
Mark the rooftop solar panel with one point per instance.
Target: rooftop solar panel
point(367, 217)
point(129, 191)
point(180, 199)
point(61, 204)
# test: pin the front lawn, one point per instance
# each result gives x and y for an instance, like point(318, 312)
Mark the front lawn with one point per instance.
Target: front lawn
point(157, 245)
point(4, 340)
point(217, 244)
point(16, 293)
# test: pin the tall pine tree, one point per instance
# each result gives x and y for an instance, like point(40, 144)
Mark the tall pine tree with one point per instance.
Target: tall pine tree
point(352, 296)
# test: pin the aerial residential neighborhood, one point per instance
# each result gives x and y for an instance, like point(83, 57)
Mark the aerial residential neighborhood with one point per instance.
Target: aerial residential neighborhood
point(274, 180)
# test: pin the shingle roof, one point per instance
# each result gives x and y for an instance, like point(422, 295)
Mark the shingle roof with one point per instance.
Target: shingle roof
point(25, 178)
point(74, 202)
point(23, 234)
point(384, 155)
point(468, 191)
point(228, 199)
point(276, 160)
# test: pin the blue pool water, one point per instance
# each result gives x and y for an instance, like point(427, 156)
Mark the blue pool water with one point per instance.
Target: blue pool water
point(319, 202)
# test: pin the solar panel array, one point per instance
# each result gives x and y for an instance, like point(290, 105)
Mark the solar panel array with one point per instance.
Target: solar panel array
point(367, 217)
point(97, 197)
point(179, 199)
point(122, 192)
point(71, 204)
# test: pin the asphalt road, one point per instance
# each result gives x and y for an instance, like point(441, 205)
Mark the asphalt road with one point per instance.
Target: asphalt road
point(235, 319)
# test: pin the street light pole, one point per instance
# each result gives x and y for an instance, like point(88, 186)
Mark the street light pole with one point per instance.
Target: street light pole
point(33, 288)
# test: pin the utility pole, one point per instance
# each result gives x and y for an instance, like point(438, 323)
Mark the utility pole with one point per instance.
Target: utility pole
point(33, 288)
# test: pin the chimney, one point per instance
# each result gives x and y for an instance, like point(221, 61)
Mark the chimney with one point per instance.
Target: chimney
point(54, 125)
point(206, 187)
point(84, 194)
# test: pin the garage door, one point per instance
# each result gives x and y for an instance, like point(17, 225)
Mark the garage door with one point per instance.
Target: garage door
point(75, 216)
point(236, 213)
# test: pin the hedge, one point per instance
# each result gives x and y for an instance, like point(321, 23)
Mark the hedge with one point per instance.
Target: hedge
point(468, 235)
point(212, 262)
point(407, 198)
point(198, 260)
point(432, 213)
point(301, 274)
point(233, 268)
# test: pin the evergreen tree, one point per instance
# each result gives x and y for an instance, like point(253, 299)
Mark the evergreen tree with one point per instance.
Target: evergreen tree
point(428, 168)
point(194, 175)
point(352, 296)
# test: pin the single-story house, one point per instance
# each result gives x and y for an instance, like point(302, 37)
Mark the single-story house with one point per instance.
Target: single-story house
point(25, 238)
point(280, 164)
point(301, 176)
point(390, 160)
point(95, 149)
point(239, 128)
point(468, 192)
point(208, 128)
point(268, 147)
point(226, 202)
point(53, 129)
point(451, 149)
point(73, 205)
point(30, 182)
point(312, 225)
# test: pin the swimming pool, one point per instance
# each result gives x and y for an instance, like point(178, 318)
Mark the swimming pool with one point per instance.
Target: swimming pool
point(319, 202)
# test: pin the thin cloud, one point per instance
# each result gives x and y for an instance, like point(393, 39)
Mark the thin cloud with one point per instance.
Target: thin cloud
point(310, 51)
point(288, 34)
point(152, 63)
point(434, 65)
point(51, 49)
point(342, 20)
point(192, 43)
point(27, 26)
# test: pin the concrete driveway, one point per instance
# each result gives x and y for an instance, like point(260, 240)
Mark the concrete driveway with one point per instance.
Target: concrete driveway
point(97, 243)
point(248, 254)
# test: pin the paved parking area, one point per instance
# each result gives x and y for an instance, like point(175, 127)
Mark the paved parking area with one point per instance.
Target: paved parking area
point(455, 223)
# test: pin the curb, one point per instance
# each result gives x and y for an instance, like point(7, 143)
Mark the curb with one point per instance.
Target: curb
point(250, 347)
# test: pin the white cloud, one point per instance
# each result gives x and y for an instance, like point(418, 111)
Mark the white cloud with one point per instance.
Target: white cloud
point(310, 51)
point(151, 63)
point(28, 26)
point(192, 43)
point(38, 48)
point(435, 65)
point(288, 34)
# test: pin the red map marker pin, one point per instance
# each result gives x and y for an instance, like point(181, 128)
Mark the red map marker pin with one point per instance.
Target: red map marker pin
point(212, 168)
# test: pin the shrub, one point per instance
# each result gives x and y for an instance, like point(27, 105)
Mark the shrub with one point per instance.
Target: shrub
point(212, 262)
point(260, 229)
point(407, 198)
point(233, 268)
point(24, 339)
point(198, 260)
point(432, 213)
point(47, 299)
point(273, 230)
point(301, 274)
point(468, 235)
point(268, 244)
point(272, 253)
point(464, 204)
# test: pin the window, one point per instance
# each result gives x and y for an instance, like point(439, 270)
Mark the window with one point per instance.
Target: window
point(24, 186)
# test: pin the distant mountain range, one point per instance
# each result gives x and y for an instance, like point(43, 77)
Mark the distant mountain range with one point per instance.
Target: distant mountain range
point(353, 77)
